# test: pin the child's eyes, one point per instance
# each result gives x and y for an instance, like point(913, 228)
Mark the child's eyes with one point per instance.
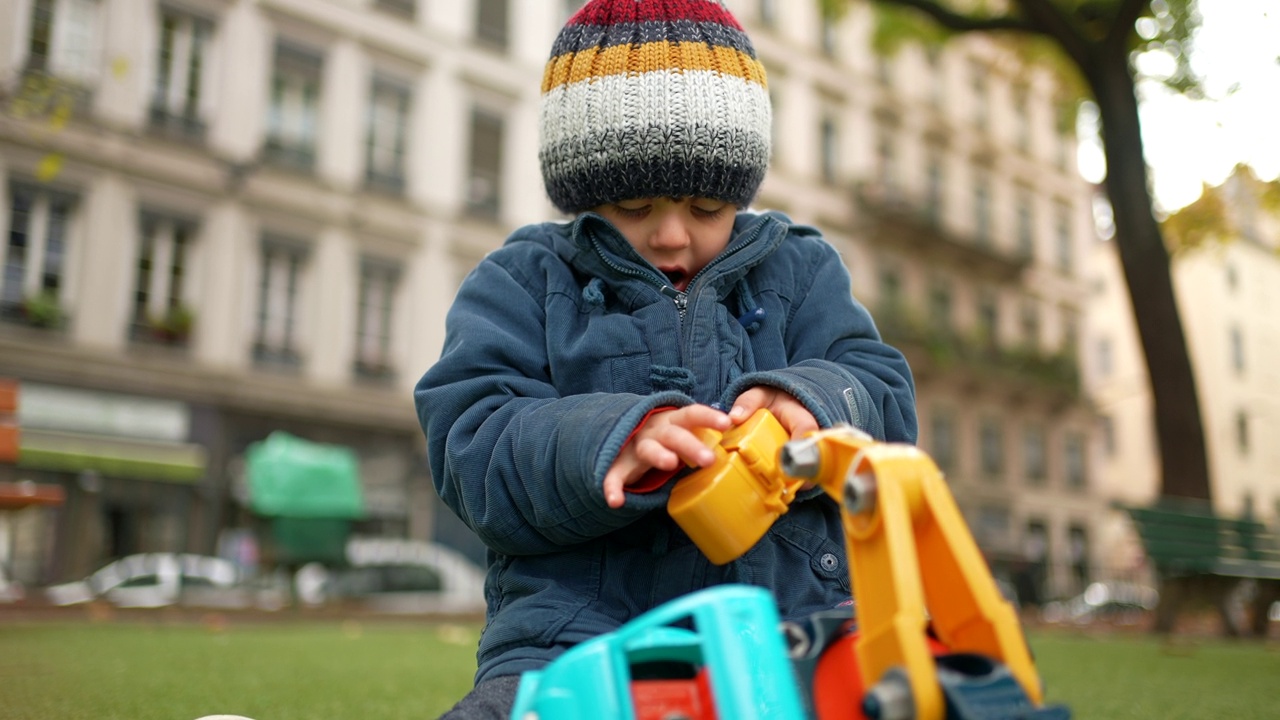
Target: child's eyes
point(710, 210)
point(709, 214)
point(636, 212)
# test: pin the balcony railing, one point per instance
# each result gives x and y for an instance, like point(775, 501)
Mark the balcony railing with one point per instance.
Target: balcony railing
point(40, 93)
point(945, 348)
point(911, 224)
point(291, 156)
point(176, 125)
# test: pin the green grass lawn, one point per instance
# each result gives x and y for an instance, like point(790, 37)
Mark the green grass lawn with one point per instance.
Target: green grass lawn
point(145, 671)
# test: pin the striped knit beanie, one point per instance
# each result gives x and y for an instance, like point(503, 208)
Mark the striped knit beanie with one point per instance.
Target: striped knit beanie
point(653, 98)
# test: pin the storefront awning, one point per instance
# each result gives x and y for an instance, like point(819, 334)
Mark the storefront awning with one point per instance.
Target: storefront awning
point(15, 496)
point(111, 456)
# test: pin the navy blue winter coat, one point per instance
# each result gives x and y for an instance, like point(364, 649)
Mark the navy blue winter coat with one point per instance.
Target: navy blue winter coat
point(560, 342)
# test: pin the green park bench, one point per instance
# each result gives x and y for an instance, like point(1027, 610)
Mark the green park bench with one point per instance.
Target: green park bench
point(1197, 552)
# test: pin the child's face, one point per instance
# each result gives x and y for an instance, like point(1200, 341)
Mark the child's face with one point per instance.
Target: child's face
point(679, 236)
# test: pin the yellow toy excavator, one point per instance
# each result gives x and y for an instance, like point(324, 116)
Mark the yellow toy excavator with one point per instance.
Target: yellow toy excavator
point(933, 638)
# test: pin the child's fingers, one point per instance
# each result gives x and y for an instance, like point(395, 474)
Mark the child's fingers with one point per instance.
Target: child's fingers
point(679, 444)
point(797, 420)
point(700, 416)
point(748, 402)
point(613, 482)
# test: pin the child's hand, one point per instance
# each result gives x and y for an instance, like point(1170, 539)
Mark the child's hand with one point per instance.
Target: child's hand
point(663, 442)
point(794, 417)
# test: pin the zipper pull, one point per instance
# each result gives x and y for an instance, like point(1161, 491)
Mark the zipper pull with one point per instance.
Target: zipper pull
point(681, 299)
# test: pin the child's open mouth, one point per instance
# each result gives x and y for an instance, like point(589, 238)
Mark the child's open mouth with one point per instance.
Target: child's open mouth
point(678, 278)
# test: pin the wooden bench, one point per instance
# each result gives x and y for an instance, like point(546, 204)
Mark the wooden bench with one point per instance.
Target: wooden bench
point(1198, 553)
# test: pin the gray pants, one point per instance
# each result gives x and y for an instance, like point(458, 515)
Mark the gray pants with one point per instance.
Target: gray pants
point(490, 700)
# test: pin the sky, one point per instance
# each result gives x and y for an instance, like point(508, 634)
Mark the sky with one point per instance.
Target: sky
point(1190, 142)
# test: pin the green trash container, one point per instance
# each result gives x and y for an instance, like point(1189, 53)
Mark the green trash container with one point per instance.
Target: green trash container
point(298, 541)
point(308, 493)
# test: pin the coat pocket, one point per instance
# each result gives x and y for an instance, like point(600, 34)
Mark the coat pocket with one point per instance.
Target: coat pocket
point(802, 560)
point(537, 596)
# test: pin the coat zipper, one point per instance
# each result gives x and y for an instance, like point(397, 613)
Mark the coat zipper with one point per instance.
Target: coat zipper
point(680, 299)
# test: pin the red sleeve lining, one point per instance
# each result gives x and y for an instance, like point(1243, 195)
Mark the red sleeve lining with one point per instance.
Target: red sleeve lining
point(654, 478)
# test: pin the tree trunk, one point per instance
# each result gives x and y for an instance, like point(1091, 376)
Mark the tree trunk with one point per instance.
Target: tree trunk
point(1145, 260)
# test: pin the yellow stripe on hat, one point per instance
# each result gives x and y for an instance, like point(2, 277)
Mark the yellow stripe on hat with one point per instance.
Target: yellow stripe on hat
point(650, 57)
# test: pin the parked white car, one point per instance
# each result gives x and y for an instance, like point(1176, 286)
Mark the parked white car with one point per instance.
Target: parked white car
point(149, 580)
point(395, 575)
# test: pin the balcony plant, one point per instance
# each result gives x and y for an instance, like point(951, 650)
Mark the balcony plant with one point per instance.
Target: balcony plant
point(174, 327)
point(43, 310)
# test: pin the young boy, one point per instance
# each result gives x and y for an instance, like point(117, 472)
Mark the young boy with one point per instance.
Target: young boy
point(580, 357)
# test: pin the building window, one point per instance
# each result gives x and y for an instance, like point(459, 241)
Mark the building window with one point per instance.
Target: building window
point(1242, 432)
point(1070, 332)
point(1073, 458)
point(1030, 322)
point(1033, 454)
point(988, 318)
point(982, 209)
point(1104, 357)
point(937, 79)
point(31, 289)
point(378, 281)
point(64, 39)
point(992, 527)
point(1078, 555)
point(160, 310)
point(887, 162)
point(484, 195)
point(940, 305)
point(1021, 118)
point(492, 23)
point(276, 341)
point(991, 444)
point(295, 101)
point(830, 150)
point(406, 9)
point(933, 191)
point(884, 69)
point(828, 38)
point(1236, 343)
point(981, 105)
point(1107, 425)
point(769, 13)
point(890, 290)
point(1025, 226)
point(1031, 580)
point(1066, 259)
point(942, 439)
point(387, 127)
point(177, 98)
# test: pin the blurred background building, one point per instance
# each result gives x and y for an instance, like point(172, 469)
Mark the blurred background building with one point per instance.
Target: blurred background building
point(228, 217)
point(1228, 291)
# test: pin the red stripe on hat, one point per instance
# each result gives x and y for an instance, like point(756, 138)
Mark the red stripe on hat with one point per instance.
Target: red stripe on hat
point(604, 12)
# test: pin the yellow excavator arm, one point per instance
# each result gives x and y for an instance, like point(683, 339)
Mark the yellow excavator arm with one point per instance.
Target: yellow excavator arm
point(915, 566)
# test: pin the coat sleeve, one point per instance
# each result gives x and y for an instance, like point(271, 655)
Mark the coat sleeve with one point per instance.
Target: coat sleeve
point(837, 365)
point(518, 463)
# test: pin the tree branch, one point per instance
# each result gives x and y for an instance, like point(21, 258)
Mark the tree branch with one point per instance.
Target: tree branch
point(965, 23)
point(1051, 21)
point(1127, 13)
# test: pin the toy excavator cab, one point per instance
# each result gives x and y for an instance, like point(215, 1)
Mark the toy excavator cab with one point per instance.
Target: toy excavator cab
point(729, 661)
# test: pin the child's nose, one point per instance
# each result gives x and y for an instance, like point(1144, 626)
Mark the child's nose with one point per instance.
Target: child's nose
point(670, 234)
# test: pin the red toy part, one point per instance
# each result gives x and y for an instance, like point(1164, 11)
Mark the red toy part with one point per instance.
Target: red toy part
point(663, 699)
point(837, 681)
